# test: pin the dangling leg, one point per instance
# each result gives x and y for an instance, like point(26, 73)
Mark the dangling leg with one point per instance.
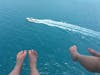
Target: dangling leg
point(33, 59)
point(19, 61)
point(91, 63)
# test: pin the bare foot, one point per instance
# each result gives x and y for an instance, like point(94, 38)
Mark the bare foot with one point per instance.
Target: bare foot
point(74, 53)
point(20, 58)
point(93, 52)
point(33, 58)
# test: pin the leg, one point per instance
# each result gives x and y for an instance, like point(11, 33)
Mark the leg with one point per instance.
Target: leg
point(91, 63)
point(33, 59)
point(19, 61)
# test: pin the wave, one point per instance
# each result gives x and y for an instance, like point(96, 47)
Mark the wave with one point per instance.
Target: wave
point(69, 27)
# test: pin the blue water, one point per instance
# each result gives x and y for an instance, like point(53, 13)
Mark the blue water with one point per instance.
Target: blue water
point(51, 43)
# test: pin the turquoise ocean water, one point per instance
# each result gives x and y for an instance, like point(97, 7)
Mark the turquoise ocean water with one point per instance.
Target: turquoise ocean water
point(51, 43)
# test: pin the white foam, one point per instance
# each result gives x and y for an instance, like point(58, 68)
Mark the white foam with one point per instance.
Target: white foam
point(69, 27)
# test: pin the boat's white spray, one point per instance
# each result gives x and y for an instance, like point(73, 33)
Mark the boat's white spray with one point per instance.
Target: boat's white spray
point(69, 27)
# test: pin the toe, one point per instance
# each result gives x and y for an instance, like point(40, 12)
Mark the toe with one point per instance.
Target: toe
point(35, 53)
point(19, 53)
point(29, 52)
point(25, 52)
point(73, 48)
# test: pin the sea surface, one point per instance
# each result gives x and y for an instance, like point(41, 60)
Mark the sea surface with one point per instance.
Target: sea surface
point(51, 42)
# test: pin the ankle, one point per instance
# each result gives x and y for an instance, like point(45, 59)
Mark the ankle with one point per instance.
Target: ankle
point(17, 69)
point(18, 65)
point(77, 57)
point(33, 68)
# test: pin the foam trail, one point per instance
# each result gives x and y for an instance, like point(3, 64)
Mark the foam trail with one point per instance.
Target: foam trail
point(69, 27)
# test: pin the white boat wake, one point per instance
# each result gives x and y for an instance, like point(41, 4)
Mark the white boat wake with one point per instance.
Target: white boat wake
point(67, 26)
